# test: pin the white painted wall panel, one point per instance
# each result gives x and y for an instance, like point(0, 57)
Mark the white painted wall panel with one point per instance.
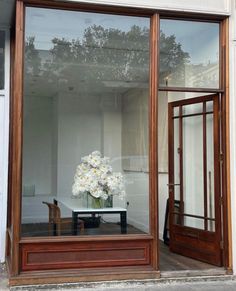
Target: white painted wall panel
point(4, 133)
point(203, 6)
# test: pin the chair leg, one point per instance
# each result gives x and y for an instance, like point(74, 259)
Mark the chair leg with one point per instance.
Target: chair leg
point(81, 226)
point(59, 228)
point(50, 228)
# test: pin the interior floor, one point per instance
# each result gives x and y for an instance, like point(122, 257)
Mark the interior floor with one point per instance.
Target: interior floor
point(41, 229)
point(171, 262)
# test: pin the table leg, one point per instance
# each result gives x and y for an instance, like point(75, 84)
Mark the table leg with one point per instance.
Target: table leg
point(74, 222)
point(123, 222)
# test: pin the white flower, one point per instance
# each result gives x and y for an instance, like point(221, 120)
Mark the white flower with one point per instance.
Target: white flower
point(94, 176)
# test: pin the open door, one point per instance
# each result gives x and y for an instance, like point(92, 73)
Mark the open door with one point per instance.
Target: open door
point(194, 179)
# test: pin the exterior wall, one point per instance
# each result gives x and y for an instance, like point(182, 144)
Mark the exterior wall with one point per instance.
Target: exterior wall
point(4, 132)
point(209, 6)
point(224, 7)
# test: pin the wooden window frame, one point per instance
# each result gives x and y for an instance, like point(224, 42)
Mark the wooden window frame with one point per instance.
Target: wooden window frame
point(146, 264)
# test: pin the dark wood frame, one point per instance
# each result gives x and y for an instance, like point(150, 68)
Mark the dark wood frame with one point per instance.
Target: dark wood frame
point(144, 260)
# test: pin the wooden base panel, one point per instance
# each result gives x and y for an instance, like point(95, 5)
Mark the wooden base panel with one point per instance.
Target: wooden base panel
point(84, 275)
point(40, 256)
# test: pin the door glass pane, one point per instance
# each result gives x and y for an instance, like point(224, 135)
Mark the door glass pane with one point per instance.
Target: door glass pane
point(176, 159)
point(176, 111)
point(189, 54)
point(86, 90)
point(210, 171)
point(179, 96)
point(2, 59)
point(192, 109)
point(193, 183)
point(194, 222)
point(209, 106)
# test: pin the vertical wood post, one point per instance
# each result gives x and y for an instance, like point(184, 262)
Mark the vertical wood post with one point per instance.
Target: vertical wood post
point(16, 138)
point(153, 119)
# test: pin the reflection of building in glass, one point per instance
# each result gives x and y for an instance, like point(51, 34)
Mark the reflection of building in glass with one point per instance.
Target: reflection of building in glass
point(206, 76)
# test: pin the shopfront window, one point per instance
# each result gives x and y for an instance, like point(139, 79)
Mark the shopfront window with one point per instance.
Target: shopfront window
point(85, 125)
point(189, 54)
point(2, 59)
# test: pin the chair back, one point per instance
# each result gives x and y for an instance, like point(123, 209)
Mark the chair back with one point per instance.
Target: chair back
point(54, 214)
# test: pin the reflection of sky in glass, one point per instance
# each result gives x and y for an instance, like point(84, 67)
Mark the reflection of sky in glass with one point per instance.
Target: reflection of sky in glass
point(47, 24)
point(199, 39)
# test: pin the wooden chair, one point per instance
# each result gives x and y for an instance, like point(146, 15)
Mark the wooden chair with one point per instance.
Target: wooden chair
point(54, 218)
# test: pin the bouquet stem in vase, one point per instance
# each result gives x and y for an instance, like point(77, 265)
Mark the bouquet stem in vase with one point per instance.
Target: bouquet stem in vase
point(96, 203)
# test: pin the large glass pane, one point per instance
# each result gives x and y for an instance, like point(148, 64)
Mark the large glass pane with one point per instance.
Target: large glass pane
point(85, 98)
point(189, 54)
point(2, 59)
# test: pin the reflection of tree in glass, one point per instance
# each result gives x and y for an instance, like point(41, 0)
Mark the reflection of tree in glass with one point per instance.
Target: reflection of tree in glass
point(105, 55)
point(172, 60)
point(32, 58)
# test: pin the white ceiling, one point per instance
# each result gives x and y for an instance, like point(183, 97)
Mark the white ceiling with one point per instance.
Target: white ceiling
point(7, 8)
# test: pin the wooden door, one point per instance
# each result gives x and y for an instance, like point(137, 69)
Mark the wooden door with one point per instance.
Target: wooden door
point(194, 179)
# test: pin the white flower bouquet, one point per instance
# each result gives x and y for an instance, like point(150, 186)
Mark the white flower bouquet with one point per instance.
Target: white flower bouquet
point(95, 177)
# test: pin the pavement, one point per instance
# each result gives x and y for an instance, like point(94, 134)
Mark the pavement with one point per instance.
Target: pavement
point(207, 283)
point(3, 278)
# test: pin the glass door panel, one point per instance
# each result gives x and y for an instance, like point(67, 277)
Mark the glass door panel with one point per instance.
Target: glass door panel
point(193, 176)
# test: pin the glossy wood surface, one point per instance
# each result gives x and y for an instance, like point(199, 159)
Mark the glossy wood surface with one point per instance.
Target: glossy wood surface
point(16, 140)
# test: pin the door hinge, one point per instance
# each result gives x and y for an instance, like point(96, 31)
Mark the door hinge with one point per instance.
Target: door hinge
point(221, 158)
point(221, 200)
point(221, 245)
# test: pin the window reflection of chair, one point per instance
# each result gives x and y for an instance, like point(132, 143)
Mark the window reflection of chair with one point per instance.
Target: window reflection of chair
point(54, 218)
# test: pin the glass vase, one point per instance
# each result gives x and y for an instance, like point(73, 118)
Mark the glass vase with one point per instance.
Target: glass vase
point(96, 203)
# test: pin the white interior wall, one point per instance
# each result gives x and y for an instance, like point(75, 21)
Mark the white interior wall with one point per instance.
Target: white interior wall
point(79, 134)
point(37, 158)
point(138, 197)
point(37, 145)
point(163, 195)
